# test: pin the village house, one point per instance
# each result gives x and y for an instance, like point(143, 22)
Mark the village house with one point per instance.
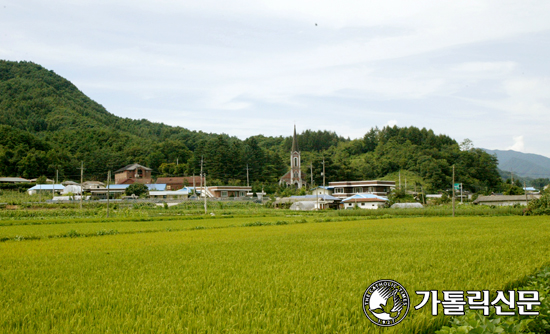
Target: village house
point(503, 200)
point(43, 188)
point(228, 191)
point(133, 173)
point(308, 202)
point(365, 201)
point(176, 183)
point(88, 185)
point(322, 190)
point(345, 189)
point(117, 190)
point(13, 180)
point(182, 193)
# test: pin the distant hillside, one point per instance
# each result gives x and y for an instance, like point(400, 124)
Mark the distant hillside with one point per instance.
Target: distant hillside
point(523, 164)
point(48, 124)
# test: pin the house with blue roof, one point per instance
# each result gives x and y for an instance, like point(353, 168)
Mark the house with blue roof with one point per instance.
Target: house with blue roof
point(57, 188)
point(365, 201)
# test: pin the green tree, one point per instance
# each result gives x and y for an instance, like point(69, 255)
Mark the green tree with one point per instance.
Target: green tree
point(137, 189)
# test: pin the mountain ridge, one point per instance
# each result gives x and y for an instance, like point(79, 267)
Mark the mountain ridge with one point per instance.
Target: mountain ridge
point(523, 164)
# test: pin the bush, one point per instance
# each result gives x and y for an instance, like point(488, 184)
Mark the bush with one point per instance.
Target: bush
point(539, 206)
point(137, 189)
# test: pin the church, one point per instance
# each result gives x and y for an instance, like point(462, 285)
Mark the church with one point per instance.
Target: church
point(294, 177)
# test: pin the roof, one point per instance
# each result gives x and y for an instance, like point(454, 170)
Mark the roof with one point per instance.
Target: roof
point(530, 189)
point(322, 197)
point(308, 198)
point(504, 198)
point(47, 187)
point(365, 198)
point(132, 167)
point(286, 177)
point(361, 183)
point(295, 147)
point(156, 186)
point(67, 183)
point(323, 187)
point(179, 179)
point(93, 182)
point(407, 206)
point(169, 193)
point(229, 188)
point(13, 179)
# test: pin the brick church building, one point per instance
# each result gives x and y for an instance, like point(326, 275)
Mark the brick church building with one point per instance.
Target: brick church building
point(294, 177)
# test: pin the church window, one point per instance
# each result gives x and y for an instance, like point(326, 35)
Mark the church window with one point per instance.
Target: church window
point(295, 161)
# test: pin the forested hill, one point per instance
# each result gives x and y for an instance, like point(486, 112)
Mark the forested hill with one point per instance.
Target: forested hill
point(46, 123)
point(522, 164)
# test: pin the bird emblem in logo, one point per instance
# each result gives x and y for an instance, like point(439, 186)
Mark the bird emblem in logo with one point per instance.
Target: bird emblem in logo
point(386, 303)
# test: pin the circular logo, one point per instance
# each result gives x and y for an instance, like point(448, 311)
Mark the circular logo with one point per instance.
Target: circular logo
point(386, 303)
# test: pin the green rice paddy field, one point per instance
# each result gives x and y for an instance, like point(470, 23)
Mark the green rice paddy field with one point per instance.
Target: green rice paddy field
point(250, 274)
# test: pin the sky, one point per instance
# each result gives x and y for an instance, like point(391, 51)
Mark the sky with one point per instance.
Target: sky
point(468, 69)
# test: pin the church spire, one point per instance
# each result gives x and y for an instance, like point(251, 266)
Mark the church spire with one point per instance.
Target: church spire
point(294, 141)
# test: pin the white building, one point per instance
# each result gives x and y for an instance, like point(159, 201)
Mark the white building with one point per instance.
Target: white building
point(365, 201)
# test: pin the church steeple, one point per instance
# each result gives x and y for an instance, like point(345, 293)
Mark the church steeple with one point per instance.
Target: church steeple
point(295, 173)
point(294, 142)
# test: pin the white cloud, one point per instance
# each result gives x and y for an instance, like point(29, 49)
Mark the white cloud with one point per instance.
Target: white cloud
point(456, 67)
point(519, 144)
point(391, 123)
point(499, 66)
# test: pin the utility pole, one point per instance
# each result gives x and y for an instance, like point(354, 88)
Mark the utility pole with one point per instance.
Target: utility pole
point(525, 191)
point(461, 193)
point(423, 196)
point(108, 191)
point(247, 178)
point(400, 179)
point(205, 205)
point(512, 173)
point(323, 172)
point(53, 188)
point(81, 181)
point(57, 176)
point(201, 176)
point(453, 190)
point(311, 168)
point(194, 188)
